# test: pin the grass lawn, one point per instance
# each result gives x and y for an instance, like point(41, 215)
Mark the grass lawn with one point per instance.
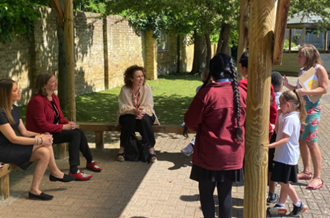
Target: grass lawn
point(172, 97)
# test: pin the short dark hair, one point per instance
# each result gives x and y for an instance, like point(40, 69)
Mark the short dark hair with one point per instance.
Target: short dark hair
point(244, 59)
point(42, 80)
point(276, 81)
point(129, 73)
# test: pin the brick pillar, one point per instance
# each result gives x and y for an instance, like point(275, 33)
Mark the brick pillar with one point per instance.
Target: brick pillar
point(150, 62)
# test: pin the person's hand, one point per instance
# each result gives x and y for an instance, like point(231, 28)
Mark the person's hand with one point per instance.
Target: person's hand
point(73, 125)
point(272, 128)
point(46, 140)
point(140, 114)
point(285, 81)
point(302, 91)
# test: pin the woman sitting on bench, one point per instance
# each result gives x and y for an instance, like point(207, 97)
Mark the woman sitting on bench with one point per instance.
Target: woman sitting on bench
point(44, 115)
point(30, 146)
point(136, 111)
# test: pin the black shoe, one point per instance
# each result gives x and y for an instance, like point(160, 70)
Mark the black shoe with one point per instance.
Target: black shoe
point(66, 178)
point(42, 196)
point(272, 198)
point(297, 211)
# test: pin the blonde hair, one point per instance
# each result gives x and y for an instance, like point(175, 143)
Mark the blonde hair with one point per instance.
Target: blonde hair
point(297, 102)
point(6, 88)
point(311, 54)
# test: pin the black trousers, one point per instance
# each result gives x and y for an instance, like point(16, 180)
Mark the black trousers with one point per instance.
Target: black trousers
point(206, 189)
point(77, 142)
point(130, 125)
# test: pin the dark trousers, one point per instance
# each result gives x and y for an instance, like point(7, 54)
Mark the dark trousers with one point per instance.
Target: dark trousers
point(130, 125)
point(77, 142)
point(206, 189)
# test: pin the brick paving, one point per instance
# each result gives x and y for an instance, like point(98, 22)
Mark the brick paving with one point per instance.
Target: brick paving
point(139, 190)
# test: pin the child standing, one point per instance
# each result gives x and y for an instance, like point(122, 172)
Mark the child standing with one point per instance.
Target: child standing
point(277, 83)
point(287, 151)
point(190, 147)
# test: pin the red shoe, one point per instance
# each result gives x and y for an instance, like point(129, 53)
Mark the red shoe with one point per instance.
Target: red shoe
point(93, 166)
point(81, 176)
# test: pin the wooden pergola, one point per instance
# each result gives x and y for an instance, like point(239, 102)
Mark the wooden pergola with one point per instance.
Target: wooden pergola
point(262, 29)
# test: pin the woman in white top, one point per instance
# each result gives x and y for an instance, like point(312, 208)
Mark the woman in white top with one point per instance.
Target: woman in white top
point(136, 111)
point(308, 56)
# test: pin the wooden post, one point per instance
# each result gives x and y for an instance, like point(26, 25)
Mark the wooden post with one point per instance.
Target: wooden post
point(243, 31)
point(262, 18)
point(69, 57)
point(4, 186)
point(99, 141)
point(303, 36)
point(290, 36)
point(325, 42)
point(279, 30)
point(106, 53)
point(59, 11)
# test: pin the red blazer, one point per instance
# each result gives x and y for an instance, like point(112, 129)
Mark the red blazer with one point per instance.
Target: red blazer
point(273, 107)
point(40, 115)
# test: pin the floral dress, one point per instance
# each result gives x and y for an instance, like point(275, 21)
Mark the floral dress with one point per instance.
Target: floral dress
point(308, 131)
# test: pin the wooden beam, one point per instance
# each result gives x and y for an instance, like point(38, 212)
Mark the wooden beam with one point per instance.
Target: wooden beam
point(280, 27)
point(261, 33)
point(290, 36)
point(303, 36)
point(4, 180)
point(69, 58)
point(325, 41)
point(243, 31)
point(59, 12)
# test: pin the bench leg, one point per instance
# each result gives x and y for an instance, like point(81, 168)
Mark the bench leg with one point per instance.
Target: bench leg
point(4, 186)
point(60, 151)
point(99, 140)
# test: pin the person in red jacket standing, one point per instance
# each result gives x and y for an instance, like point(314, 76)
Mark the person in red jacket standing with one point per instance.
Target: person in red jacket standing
point(217, 114)
point(44, 114)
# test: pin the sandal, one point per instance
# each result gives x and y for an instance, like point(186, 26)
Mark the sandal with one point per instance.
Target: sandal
point(312, 185)
point(152, 158)
point(305, 175)
point(121, 157)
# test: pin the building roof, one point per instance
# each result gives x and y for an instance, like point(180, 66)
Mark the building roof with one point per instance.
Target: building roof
point(310, 20)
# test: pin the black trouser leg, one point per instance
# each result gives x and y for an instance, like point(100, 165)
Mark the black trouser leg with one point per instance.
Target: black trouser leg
point(84, 148)
point(73, 137)
point(144, 127)
point(206, 189)
point(128, 125)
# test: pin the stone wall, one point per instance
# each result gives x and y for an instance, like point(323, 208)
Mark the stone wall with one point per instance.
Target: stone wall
point(104, 48)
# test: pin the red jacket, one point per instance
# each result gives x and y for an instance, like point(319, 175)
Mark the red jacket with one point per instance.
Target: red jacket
point(212, 115)
point(273, 107)
point(40, 115)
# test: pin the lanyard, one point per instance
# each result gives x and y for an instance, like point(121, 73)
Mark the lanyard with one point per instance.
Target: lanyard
point(136, 103)
point(222, 80)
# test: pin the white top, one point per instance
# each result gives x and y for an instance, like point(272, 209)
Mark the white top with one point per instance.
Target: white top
point(289, 124)
point(277, 99)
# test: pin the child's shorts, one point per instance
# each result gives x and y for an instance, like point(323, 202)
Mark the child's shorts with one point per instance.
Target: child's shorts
point(284, 173)
point(271, 154)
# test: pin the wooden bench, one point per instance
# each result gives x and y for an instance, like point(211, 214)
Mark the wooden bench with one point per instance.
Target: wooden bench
point(100, 128)
point(4, 179)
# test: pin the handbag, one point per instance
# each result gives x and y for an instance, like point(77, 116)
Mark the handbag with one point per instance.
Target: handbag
point(132, 149)
point(136, 150)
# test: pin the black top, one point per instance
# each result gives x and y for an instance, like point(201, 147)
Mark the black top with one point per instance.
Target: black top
point(3, 120)
point(56, 114)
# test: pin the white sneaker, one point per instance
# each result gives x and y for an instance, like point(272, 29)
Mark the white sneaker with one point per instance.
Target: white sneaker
point(188, 150)
point(277, 210)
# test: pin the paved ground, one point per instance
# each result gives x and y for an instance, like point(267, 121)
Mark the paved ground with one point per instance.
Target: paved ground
point(139, 190)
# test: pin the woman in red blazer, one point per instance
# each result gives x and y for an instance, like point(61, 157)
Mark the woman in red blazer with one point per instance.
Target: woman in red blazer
point(44, 115)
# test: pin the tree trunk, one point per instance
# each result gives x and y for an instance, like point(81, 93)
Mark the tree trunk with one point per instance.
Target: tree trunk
point(61, 64)
point(199, 54)
point(225, 38)
point(243, 31)
point(178, 54)
point(208, 51)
